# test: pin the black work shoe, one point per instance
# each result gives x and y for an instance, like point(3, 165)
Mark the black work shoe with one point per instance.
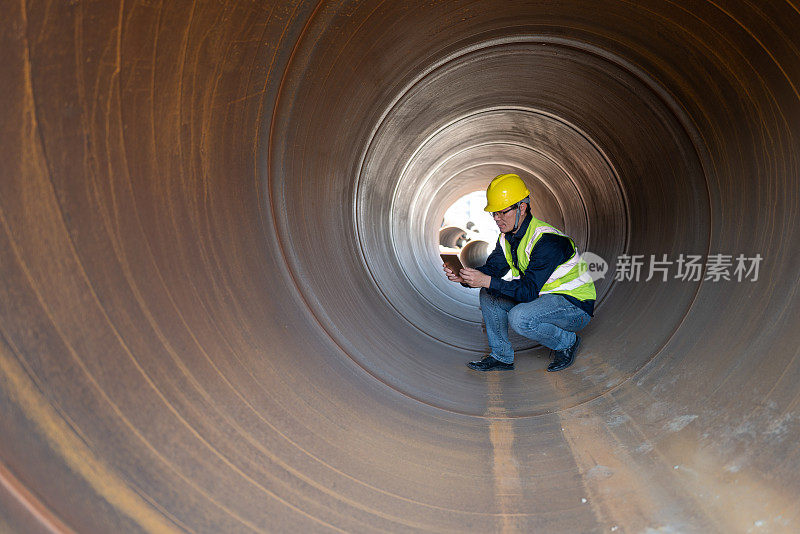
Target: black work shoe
point(564, 358)
point(490, 363)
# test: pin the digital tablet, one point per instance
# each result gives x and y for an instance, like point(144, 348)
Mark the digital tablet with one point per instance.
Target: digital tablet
point(453, 262)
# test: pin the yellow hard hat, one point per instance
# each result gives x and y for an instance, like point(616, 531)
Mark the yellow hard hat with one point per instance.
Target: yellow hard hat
point(504, 191)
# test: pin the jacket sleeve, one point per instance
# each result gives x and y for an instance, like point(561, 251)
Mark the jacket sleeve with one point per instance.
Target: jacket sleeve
point(550, 251)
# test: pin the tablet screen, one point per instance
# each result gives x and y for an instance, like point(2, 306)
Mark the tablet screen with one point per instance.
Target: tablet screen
point(452, 261)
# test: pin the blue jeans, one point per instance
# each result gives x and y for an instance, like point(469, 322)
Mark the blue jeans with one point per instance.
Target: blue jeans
point(550, 320)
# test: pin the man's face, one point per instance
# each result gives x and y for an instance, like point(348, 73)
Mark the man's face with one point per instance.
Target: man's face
point(505, 219)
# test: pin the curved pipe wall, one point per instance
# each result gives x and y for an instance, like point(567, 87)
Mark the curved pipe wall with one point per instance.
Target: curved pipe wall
point(221, 308)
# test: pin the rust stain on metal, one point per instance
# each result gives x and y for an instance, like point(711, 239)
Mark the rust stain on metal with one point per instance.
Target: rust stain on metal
point(508, 487)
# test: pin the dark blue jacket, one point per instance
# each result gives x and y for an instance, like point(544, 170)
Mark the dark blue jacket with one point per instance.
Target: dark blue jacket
point(550, 251)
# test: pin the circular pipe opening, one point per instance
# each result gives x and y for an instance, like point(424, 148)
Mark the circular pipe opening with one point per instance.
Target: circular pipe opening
point(588, 167)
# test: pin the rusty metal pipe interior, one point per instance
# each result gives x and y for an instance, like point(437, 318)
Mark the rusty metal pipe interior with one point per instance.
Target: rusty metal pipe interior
point(222, 307)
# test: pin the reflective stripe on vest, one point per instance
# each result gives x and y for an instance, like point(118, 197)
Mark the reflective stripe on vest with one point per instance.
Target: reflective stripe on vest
point(569, 277)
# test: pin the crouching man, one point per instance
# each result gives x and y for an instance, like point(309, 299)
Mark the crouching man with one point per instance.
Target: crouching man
point(551, 295)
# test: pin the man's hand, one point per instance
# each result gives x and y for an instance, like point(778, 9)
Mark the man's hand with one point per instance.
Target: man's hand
point(451, 275)
point(475, 278)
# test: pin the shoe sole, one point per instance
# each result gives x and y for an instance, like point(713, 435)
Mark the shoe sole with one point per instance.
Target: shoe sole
point(491, 368)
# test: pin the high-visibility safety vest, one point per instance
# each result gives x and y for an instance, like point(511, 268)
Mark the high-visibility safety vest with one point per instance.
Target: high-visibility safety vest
point(569, 278)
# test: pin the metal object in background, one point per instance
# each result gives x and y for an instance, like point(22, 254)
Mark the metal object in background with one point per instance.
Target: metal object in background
point(452, 237)
point(475, 252)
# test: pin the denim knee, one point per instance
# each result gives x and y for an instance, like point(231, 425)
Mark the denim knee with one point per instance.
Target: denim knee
point(524, 326)
point(516, 320)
